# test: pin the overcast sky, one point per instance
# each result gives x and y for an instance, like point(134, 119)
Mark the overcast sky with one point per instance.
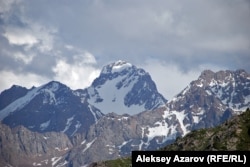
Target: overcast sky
point(70, 41)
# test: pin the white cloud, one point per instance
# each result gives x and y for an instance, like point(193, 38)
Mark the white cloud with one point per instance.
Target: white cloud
point(33, 35)
point(44, 34)
point(182, 36)
point(25, 79)
point(26, 59)
point(79, 74)
point(18, 36)
point(79, 56)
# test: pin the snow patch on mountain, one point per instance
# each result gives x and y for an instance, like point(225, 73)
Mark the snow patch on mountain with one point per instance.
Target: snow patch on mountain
point(198, 114)
point(180, 115)
point(113, 98)
point(228, 89)
point(47, 89)
point(50, 97)
point(44, 125)
point(116, 67)
point(124, 143)
point(94, 114)
point(68, 124)
point(120, 66)
point(88, 145)
point(19, 103)
point(77, 126)
point(161, 129)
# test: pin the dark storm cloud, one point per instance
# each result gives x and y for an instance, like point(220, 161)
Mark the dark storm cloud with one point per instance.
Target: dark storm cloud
point(172, 31)
point(40, 37)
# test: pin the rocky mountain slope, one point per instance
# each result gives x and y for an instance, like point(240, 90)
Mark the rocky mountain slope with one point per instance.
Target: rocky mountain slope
point(120, 88)
point(123, 111)
point(205, 102)
point(212, 98)
point(52, 107)
point(21, 147)
point(234, 134)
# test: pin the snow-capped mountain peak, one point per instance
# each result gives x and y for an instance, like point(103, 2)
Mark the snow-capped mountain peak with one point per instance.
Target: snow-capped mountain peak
point(231, 87)
point(124, 88)
point(52, 86)
point(116, 67)
point(214, 96)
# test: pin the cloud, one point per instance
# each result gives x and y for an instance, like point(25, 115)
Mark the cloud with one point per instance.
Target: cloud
point(169, 78)
point(24, 79)
point(230, 44)
point(71, 41)
point(26, 59)
point(35, 50)
point(19, 37)
point(78, 74)
point(169, 30)
point(32, 36)
point(5, 6)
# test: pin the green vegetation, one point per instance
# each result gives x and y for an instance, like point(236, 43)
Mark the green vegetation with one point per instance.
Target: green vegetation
point(244, 136)
point(120, 162)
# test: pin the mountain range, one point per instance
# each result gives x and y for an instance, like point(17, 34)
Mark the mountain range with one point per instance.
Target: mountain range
point(232, 135)
point(120, 111)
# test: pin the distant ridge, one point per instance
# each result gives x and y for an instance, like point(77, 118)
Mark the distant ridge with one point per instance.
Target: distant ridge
point(121, 111)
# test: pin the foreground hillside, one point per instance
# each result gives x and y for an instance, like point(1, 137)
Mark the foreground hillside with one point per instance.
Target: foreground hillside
point(232, 135)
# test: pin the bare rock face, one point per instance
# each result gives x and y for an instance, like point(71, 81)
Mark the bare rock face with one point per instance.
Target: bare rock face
point(117, 135)
point(111, 137)
point(21, 147)
point(213, 98)
point(232, 135)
